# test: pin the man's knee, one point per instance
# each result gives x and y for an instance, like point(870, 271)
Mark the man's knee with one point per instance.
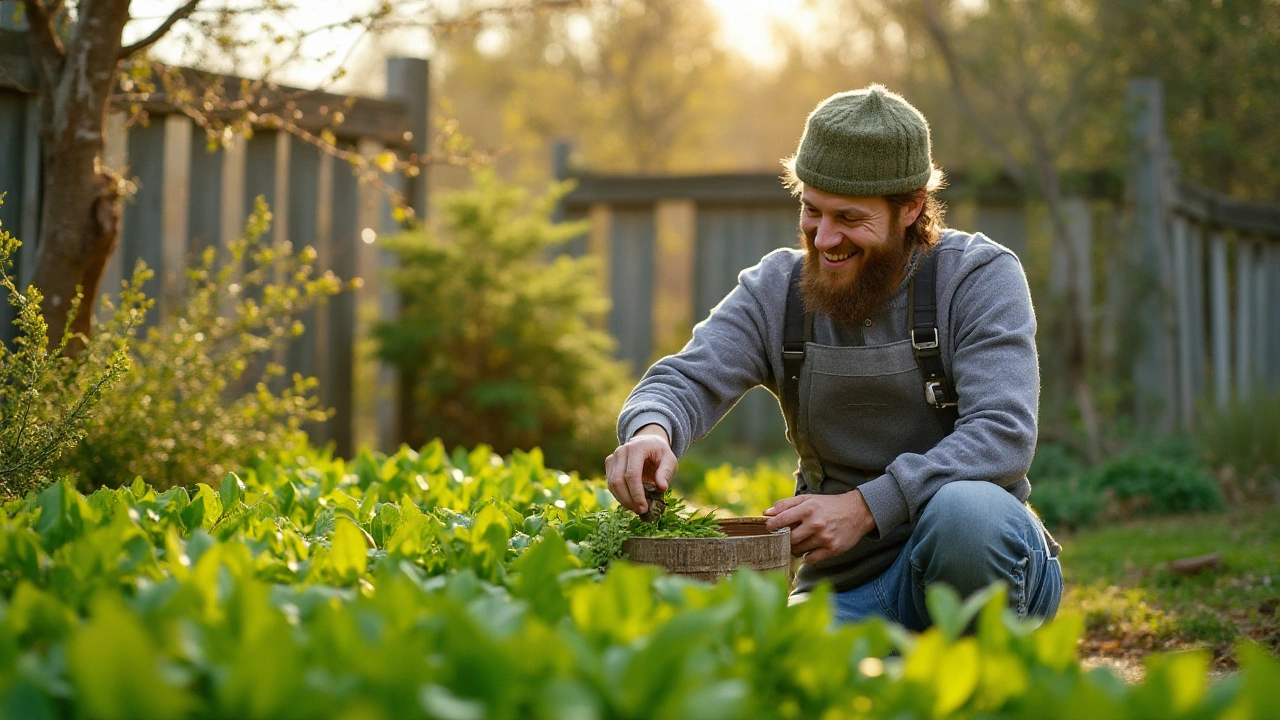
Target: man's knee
point(967, 532)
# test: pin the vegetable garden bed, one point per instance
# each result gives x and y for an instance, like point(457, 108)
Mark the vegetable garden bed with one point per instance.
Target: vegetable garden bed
point(430, 585)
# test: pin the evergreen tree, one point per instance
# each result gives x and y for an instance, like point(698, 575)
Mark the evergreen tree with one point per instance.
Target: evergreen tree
point(500, 334)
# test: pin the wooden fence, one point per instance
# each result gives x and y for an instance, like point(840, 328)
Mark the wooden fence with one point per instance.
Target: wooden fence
point(189, 198)
point(1211, 333)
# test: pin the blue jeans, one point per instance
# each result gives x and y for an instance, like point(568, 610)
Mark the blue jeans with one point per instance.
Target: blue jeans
point(969, 535)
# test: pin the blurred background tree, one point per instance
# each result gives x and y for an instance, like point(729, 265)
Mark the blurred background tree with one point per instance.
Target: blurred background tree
point(657, 86)
point(498, 336)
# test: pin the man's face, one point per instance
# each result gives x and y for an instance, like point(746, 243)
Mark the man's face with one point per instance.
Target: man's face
point(857, 254)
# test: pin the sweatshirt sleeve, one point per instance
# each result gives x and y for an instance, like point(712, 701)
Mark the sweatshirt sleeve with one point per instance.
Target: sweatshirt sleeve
point(997, 380)
point(689, 392)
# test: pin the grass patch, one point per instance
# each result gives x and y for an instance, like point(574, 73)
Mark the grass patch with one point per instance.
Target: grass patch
point(1117, 578)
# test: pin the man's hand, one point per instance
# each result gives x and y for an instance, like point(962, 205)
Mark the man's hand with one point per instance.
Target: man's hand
point(822, 526)
point(646, 458)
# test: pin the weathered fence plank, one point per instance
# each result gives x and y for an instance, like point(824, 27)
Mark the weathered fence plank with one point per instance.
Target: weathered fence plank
point(600, 217)
point(233, 194)
point(29, 227)
point(1196, 331)
point(13, 139)
point(205, 197)
point(1264, 317)
point(322, 329)
point(140, 237)
point(631, 272)
point(674, 251)
point(1220, 318)
point(303, 215)
point(342, 309)
point(175, 196)
point(1244, 278)
point(368, 298)
point(1183, 297)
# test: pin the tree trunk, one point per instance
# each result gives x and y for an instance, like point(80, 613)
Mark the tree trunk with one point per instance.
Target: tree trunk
point(80, 222)
point(80, 209)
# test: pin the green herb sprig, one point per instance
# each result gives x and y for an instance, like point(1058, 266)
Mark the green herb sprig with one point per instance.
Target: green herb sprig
point(615, 525)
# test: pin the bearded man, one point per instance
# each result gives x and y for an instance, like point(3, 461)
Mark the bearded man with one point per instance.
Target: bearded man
point(903, 356)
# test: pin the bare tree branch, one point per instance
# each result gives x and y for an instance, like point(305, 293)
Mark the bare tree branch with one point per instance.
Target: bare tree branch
point(49, 53)
point(178, 15)
point(933, 23)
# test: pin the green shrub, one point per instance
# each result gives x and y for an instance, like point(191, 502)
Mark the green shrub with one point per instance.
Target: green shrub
point(190, 411)
point(1154, 484)
point(1243, 437)
point(1055, 461)
point(43, 409)
point(1164, 476)
point(499, 342)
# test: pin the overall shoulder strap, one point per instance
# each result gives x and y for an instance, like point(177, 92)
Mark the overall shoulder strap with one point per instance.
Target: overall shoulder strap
point(797, 329)
point(922, 310)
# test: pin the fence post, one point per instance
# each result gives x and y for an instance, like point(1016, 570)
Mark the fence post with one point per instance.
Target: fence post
point(365, 381)
point(115, 155)
point(32, 188)
point(1220, 315)
point(600, 216)
point(233, 213)
point(409, 81)
point(176, 198)
point(675, 225)
point(280, 203)
point(1155, 382)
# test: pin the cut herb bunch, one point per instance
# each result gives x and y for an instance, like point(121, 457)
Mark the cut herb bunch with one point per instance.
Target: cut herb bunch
point(609, 529)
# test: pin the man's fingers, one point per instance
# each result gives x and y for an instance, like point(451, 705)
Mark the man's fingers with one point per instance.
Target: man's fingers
point(666, 469)
point(790, 515)
point(615, 475)
point(785, 504)
point(633, 478)
point(800, 534)
point(813, 556)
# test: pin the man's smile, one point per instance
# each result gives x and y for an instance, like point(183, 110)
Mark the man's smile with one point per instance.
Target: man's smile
point(838, 260)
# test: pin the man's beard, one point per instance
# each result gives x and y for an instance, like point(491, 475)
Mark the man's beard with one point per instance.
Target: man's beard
point(850, 298)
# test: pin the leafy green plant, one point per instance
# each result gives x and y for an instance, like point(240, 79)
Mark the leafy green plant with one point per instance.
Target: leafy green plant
point(601, 535)
point(408, 586)
point(42, 413)
point(191, 411)
point(498, 336)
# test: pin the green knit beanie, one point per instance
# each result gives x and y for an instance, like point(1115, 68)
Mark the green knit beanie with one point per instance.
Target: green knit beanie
point(865, 143)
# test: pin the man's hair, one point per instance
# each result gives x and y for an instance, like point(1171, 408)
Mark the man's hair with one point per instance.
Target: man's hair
point(928, 226)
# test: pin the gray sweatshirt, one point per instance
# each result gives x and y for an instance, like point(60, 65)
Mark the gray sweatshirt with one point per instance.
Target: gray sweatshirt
point(987, 329)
